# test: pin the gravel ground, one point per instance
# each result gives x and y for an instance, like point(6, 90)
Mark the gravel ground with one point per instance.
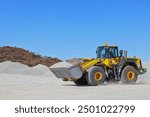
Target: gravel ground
point(19, 81)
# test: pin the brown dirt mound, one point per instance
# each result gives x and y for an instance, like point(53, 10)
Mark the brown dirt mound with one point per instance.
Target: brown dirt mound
point(26, 57)
point(74, 61)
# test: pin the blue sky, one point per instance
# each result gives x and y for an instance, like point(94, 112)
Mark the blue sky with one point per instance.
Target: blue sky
point(74, 28)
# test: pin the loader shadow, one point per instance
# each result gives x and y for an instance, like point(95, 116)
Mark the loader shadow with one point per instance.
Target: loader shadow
point(72, 85)
point(84, 86)
point(105, 84)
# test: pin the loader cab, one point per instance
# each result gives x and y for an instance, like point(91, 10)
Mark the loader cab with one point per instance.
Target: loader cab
point(107, 52)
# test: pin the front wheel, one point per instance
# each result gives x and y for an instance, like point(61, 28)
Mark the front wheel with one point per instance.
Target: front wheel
point(129, 75)
point(96, 76)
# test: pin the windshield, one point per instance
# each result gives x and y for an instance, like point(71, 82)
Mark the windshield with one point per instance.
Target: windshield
point(101, 52)
point(107, 52)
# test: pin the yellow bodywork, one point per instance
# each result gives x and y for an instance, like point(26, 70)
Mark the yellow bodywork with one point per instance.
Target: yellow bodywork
point(108, 62)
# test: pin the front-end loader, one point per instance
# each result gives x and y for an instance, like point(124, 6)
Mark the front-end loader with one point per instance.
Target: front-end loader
point(110, 64)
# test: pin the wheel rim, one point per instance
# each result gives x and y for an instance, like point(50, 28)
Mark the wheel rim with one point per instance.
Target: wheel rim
point(98, 76)
point(131, 75)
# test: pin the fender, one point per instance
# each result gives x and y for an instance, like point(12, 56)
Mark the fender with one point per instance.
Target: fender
point(123, 63)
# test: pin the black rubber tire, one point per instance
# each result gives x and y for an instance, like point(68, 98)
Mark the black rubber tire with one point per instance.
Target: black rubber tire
point(82, 81)
point(124, 75)
point(91, 76)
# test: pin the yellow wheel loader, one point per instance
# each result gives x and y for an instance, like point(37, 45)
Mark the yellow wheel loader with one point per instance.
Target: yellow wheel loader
point(110, 64)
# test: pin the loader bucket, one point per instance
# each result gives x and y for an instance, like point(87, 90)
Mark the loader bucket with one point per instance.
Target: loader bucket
point(74, 71)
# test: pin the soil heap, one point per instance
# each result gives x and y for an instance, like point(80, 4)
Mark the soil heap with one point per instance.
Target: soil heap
point(26, 57)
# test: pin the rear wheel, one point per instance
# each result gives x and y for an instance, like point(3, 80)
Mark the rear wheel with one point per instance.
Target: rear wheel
point(129, 75)
point(82, 81)
point(96, 76)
